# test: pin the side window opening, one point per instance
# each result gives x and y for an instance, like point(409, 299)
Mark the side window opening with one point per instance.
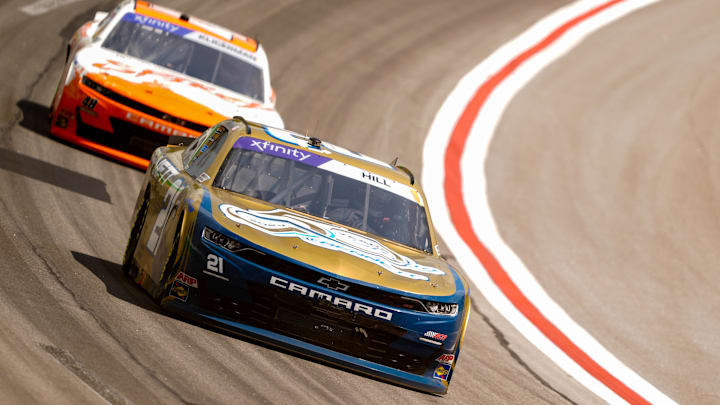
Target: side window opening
point(190, 151)
point(104, 23)
point(201, 154)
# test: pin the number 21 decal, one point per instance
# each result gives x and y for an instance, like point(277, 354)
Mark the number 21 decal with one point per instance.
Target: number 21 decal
point(215, 267)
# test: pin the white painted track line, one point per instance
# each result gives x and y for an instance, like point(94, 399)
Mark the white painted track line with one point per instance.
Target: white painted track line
point(579, 19)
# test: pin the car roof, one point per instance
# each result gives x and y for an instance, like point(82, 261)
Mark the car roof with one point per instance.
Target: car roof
point(196, 24)
point(262, 132)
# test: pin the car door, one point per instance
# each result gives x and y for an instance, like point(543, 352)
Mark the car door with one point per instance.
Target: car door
point(171, 188)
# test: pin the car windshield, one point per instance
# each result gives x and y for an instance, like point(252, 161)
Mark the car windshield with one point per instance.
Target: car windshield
point(325, 194)
point(160, 44)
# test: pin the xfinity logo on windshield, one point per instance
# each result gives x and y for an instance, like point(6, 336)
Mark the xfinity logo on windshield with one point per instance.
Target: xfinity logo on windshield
point(156, 23)
point(337, 301)
point(265, 145)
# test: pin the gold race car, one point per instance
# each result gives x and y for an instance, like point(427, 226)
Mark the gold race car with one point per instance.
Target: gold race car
point(302, 244)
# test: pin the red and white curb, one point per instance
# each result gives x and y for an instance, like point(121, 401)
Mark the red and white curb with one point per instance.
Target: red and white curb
point(462, 131)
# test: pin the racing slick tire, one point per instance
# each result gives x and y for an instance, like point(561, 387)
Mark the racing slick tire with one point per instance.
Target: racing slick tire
point(128, 265)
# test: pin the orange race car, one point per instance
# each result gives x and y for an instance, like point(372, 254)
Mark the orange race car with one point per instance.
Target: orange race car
point(143, 73)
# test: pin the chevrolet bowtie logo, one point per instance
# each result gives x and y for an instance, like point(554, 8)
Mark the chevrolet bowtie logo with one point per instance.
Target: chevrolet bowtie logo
point(333, 284)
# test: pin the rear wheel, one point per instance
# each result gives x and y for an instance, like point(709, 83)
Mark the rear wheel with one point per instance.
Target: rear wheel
point(128, 264)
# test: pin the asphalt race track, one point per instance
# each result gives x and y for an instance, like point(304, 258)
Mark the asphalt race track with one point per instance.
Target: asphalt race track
point(601, 178)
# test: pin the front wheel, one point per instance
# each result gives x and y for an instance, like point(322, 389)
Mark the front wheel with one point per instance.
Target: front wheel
point(128, 264)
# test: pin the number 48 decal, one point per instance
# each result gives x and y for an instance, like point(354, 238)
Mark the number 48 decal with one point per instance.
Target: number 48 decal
point(215, 267)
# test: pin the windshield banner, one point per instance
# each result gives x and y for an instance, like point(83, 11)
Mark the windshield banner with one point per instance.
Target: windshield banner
point(155, 23)
point(194, 36)
point(283, 151)
point(325, 163)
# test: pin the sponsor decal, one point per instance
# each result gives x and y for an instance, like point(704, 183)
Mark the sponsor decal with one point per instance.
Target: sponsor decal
point(446, 358)
point(283, 151)
point(164, 171)
point(292, 138)
point(441, 372)
point(166, 174)
point(155, 23)
point(324, 328)
point(334, 300)
point(154, 125)
point(375, 178)
point(333, 284)
point(434, 342)
point(283, 224)
point(221, 45)
point(437, 336)
point(215, 266)
point(179, 291)
point(203, 177)
point(187, 280)
point(331, 164)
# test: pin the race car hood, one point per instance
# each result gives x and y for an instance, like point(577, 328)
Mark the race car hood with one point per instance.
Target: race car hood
point(166, 90)
point(331, 247)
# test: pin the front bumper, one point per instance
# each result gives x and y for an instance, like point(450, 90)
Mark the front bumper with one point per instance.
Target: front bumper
point(201, 315)
point(98, 122)
point(279, 307)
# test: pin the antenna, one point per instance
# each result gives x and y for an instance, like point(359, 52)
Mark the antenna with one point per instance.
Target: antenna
point(317, 124)
point(394, 162)
point(307, 130)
